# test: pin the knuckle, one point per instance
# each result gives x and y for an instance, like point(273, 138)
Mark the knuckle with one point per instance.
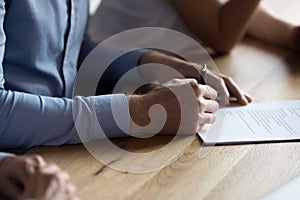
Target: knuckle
point(202, 89)
point(196, 90)
point(65, 175)
point(55, 167)
point(202, 119)
point(216, 105)
point(24, 163)
point(222, 82)
point(202, 105)
point(193, 82)
point(226, 95)
point(213, 93)
point(176, 80)
point(226, 77)
point(221, 79)
point(229, 79)
point(212, 119)
point(38, 159)
point(195, 86)
point(54, 178)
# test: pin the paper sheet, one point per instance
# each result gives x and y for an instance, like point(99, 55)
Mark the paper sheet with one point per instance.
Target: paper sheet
point(257, 122)
point(288, 191)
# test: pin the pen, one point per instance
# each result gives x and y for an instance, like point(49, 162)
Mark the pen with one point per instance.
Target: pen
point(203, 69)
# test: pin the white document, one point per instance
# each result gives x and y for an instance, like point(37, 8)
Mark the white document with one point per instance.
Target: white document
point(257, 122)
point(288, 191)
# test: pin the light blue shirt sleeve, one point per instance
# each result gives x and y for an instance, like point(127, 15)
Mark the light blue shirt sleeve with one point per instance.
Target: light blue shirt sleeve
point(3, 155)
point(30, 120)
point(33, 110)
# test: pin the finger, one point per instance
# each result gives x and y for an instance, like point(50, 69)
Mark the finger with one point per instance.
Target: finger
point(63, 191)
point(195, 86)
point(206, 118)
point(71, 189)
point(224, 93)
point(218, 83)
point(64, 177)
point(40, 162)
point(208, 92)
point(249, 98)
point(208, 106)
point(30, 165)
point(50, 170)
point(200, 126)
point(53, 169)
point(236, 91)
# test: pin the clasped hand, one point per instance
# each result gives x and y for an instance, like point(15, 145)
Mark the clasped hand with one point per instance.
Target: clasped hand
point(30, 177)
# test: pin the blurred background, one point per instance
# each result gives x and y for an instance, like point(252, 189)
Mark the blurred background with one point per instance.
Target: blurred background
point(286, 9)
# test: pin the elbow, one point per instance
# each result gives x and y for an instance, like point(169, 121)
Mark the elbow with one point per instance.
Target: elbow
point(223, 47)
point(221, 44)
point(224, 43)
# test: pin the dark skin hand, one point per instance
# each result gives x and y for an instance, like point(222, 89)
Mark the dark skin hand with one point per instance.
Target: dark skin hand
point(225, 86)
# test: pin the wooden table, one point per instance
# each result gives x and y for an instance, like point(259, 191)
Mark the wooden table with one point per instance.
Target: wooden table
point(228, 172)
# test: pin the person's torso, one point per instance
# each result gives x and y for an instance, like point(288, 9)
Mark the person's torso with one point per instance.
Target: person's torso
point(43, 39)
point(115, 16)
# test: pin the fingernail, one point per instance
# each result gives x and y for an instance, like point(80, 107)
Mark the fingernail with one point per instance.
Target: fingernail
point(245, 101)
point(216, 95)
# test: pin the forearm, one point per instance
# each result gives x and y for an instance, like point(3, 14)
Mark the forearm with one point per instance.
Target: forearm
point(218, 24)
point(29, 120)
point(267, 26)
point(235, 17)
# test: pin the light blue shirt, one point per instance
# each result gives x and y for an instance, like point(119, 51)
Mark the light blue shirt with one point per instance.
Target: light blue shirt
point(3, 155)
point(41, 44)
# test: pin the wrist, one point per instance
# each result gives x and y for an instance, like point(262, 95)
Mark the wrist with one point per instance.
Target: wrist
point(5, 156)
point(6, 163)
point(184, 68)
point(138, 107)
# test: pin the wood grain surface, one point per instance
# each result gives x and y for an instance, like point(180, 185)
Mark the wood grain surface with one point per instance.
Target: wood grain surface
point(266, 72)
